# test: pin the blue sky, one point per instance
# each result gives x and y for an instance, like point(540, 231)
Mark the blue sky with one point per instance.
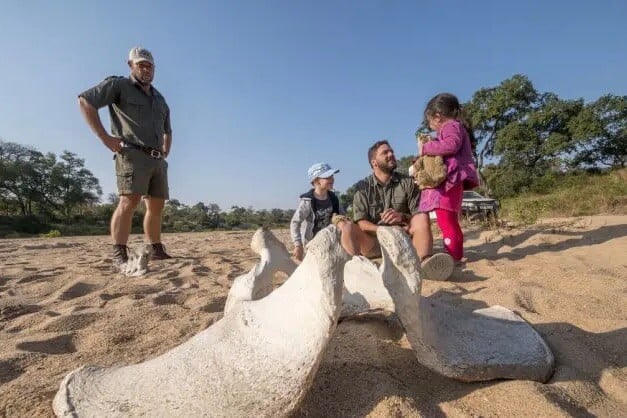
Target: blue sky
point(260, 90)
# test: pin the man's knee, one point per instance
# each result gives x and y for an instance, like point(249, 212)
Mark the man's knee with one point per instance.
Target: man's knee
point(154, 204)
point(419, 224)
point(128, 202)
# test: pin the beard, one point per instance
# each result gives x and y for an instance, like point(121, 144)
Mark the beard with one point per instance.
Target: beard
point(388, 166)
point(144, 80)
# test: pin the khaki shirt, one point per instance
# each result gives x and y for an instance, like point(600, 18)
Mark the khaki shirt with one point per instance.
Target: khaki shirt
point(136, 117)
point(372, 197)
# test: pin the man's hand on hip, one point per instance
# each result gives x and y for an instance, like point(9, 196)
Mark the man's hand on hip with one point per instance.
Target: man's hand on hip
point(115, 144)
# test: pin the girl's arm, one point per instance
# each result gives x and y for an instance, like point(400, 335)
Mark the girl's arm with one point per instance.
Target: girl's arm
point(449, 142)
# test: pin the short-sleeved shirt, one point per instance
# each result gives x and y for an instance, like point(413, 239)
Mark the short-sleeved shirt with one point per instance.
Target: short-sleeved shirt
point(372, 198)
point(136, 117)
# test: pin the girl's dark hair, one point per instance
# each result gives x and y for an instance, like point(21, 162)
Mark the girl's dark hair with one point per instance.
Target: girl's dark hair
point(447, 105)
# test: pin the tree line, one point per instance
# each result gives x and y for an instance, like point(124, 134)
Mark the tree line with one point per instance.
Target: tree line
point(42, 192)
point(35, 183)
point(527, 142)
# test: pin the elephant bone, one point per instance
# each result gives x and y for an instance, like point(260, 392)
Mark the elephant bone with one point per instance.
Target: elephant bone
point(258, 360)
point(486, 344)
point(257, 283)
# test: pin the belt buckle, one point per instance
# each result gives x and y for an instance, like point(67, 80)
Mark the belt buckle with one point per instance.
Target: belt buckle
point(155, 153)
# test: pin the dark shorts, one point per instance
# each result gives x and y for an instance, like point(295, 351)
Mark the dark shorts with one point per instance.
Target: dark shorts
point(138, 173)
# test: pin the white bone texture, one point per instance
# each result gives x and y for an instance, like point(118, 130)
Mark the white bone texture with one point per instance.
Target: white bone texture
point(258, 360)
point(257, 283)
point(486, 344)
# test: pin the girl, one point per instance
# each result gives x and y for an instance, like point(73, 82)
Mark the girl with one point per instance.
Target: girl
point(455, 143)
point(318, 208)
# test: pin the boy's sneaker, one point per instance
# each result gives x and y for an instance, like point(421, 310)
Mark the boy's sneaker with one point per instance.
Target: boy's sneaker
point(158, 252)
point(438, 267)
point(120, 254)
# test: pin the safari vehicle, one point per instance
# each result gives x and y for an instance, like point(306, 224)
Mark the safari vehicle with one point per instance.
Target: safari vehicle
point(476, 206)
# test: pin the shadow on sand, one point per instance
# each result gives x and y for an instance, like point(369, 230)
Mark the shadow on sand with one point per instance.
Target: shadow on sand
point(365, 365)
point(489, 250)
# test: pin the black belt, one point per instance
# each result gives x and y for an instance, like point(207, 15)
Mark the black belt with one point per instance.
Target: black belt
point(154, 153)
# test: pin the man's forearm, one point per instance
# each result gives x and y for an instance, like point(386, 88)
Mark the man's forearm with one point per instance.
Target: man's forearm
point(92, 118)
point(167, 143)
point(367, 226)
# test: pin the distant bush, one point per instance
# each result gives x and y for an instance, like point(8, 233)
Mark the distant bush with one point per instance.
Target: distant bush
point(575, 195)
point(18, 226)
point(83, 229)
point(53, 233)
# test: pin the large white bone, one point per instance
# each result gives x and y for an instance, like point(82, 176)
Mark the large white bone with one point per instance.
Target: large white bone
point(486, 344)
point(257, 283)
point(361, 275)
point(258, 360)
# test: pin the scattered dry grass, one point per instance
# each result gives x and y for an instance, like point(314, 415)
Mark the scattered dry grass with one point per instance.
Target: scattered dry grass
point(577, 196)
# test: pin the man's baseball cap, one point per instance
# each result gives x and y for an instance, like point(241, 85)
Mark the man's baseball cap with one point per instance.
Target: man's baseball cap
point(138, 54)
point(320, 170)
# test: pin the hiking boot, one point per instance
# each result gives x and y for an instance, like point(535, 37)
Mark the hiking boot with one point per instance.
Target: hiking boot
point(158, 252)
point(120, 254)
point(438, 267)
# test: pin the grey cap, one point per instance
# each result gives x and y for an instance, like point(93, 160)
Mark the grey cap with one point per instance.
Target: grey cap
point(138, 54)
point(320, 170)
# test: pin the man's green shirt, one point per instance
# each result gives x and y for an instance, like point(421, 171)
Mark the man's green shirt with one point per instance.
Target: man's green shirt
point(372, 198)
point(136, 117)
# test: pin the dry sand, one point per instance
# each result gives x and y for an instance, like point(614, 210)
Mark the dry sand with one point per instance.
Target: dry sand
point(63, 306)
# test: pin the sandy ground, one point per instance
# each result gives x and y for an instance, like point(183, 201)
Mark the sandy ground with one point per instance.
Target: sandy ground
point(62, 306)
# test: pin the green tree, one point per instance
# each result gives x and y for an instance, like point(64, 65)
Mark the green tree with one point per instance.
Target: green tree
point(236, 216)
point(346, 198)
point(526, 136)
point(277, 216)
point(541, 137)
point(601, 131)
point(534, 147)
point(214, 215)
point(493, 108)
point(72, 185)
point(25, 179)
point(18, 176)
point(404, 163)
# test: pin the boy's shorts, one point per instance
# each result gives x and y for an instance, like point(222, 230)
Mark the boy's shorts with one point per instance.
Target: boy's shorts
point(138, 173)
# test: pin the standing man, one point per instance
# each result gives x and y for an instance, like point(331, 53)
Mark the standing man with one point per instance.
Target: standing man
point(390, 198)
point(141, 137)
